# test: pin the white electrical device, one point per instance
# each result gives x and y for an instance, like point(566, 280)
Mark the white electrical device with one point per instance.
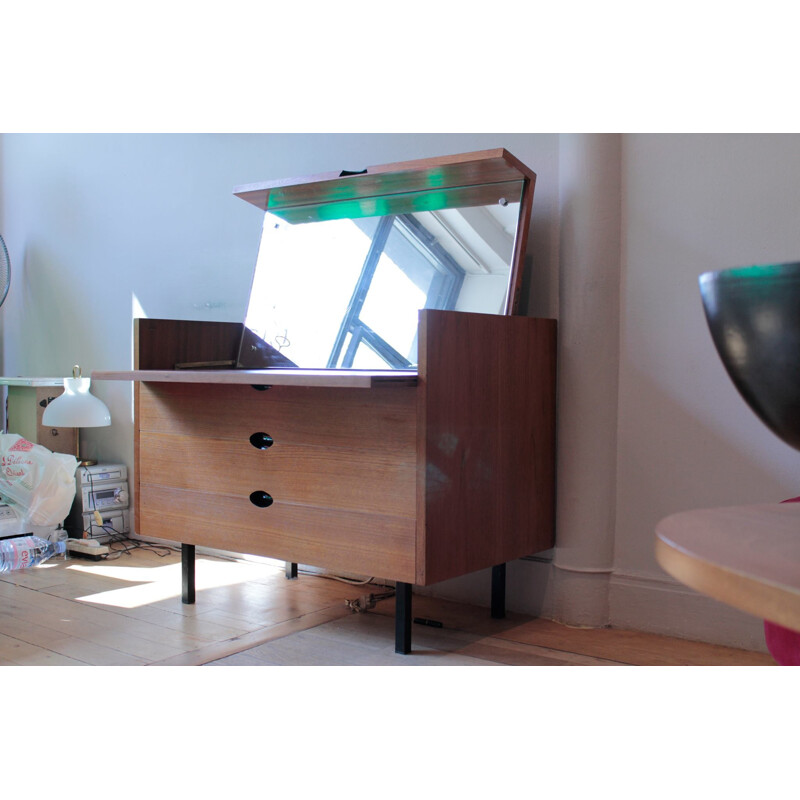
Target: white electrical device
point(100, 473)
point(101, 507)
point(104, 497)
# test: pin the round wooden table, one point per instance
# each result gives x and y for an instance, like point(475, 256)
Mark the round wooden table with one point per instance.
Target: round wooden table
point(745, 556)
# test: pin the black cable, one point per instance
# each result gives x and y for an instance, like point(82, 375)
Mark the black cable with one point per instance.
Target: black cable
point(118, 542)
point(124, 546)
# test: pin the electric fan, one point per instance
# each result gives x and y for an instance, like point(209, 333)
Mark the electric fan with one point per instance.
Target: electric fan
point(5, 271)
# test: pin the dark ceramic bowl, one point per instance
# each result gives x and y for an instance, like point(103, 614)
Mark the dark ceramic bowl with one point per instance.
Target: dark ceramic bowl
point(753, 314)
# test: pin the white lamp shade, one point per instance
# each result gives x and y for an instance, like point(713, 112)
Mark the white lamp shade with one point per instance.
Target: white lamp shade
point(76, 408)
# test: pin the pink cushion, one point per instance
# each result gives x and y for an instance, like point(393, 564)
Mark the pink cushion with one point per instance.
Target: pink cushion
point(782, 643)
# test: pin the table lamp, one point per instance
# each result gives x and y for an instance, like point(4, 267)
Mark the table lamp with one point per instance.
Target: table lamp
point(77, 408)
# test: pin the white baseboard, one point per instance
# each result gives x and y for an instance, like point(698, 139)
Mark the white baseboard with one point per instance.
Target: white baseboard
point(669, 608)
point(631, 602)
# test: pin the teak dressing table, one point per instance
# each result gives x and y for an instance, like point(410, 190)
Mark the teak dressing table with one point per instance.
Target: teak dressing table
point(413, 475)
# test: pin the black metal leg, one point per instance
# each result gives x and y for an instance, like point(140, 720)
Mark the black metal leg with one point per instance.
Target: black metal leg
point(187, 572)
point(291, 570)
point(499, 591)
point(402, 618)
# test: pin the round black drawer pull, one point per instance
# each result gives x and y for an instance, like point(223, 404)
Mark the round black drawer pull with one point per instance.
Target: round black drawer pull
point(261, 499)
point(261, 440)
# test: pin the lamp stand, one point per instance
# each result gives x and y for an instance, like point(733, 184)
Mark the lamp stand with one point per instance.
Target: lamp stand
point(82, 462)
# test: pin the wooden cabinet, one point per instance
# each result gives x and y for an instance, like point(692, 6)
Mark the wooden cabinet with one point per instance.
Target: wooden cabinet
point(414, 475)
point(411, 477)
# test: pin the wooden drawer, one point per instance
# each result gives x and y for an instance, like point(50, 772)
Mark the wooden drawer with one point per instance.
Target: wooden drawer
point(379, 419)
point(333, 477)
point(378, 545)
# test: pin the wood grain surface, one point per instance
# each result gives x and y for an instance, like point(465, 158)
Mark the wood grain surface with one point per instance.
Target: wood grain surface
point(349, 541)
point(342, 472)
point(382, 420)
point(466, 169)
point(486, 446)
point(343, 478)
point(128, 612)
point(745, 556)
point(342, 379)
point(161, 343)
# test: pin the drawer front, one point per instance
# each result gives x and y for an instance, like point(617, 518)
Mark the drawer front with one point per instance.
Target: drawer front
point(382, 419)
point(332, 477)
point(376, 545)
point(338, 466)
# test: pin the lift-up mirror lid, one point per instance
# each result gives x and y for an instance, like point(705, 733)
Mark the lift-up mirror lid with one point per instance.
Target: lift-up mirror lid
point(347, 260)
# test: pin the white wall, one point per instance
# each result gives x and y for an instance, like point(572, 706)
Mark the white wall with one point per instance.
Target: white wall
point(695, 203)
point(686, 439)
point(649, 422)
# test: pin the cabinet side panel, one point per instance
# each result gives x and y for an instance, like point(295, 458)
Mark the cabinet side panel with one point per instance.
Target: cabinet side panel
point(486, 445)
point(160, 344)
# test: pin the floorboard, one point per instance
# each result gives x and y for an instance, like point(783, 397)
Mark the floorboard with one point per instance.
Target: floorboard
point(127, 611)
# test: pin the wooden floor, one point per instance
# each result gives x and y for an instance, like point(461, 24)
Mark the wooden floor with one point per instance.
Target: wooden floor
point(128, 611)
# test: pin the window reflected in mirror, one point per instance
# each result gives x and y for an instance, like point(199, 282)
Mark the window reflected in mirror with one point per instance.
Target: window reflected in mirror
point(345, 293)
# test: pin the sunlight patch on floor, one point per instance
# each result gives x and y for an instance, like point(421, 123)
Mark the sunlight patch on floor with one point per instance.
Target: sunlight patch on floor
point(153, 584)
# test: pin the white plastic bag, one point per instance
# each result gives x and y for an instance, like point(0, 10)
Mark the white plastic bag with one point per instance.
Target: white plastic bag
point(40, 483)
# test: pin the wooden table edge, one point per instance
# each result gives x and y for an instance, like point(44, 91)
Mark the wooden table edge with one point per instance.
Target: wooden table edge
point(748, 594)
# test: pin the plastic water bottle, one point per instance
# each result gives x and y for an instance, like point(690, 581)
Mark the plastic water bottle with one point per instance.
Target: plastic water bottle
point(27, 551)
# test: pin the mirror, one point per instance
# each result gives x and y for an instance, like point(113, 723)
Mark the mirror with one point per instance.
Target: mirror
point(344, 293)
point(347, 261)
